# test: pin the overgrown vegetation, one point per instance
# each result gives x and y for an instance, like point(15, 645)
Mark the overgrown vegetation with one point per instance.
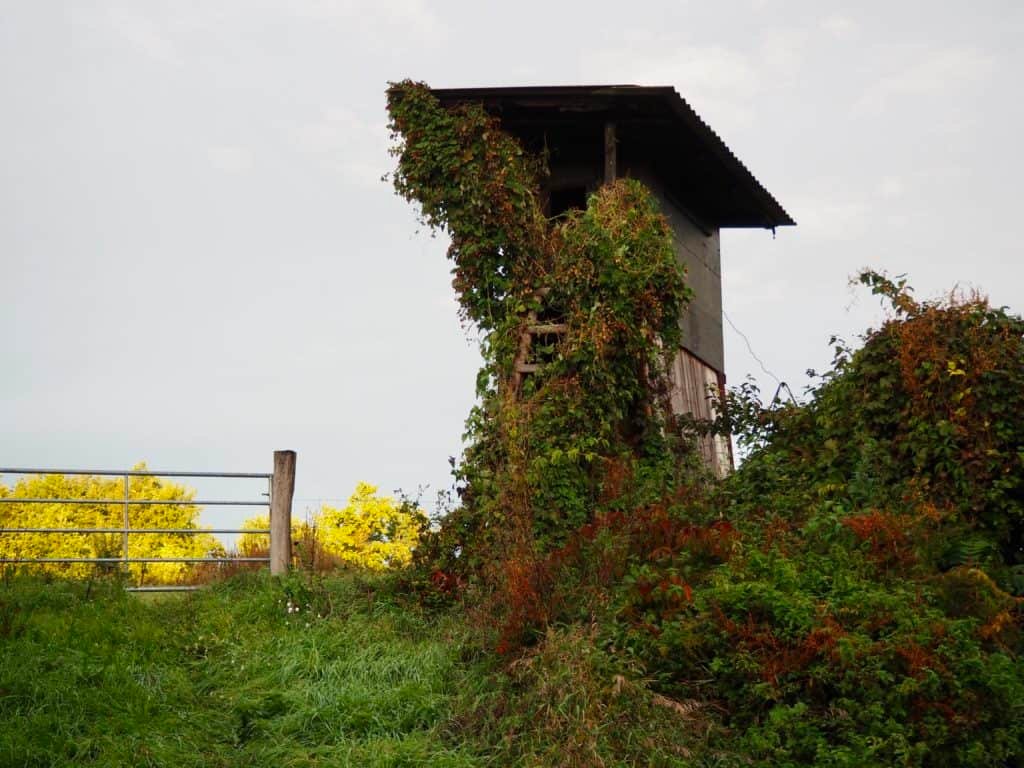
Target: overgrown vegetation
point(841, 600)
point(871, 611)
point(852, 595)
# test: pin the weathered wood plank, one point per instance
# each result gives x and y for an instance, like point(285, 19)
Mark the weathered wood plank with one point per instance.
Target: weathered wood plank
point(281, 491)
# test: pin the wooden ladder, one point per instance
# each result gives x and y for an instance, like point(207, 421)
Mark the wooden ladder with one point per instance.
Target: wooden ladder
point(523, 366)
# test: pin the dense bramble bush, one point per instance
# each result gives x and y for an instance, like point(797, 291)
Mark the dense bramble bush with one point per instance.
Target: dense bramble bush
point(851, 595)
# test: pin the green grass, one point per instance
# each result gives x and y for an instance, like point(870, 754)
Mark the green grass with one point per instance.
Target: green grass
point(358, 676)
point(225, 677)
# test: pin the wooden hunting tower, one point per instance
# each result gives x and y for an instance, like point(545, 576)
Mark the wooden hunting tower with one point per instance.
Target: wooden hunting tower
point(595, 134)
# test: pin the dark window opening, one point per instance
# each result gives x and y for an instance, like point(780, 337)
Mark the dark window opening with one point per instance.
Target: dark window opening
point(561, 200)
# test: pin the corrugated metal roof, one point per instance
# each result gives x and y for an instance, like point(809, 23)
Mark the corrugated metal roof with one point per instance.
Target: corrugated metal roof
point(690, 153)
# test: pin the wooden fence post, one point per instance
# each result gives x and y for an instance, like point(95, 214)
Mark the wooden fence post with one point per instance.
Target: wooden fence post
point(281, 490)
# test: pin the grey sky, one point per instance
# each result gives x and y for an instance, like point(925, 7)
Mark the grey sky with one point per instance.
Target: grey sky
point(199, 263)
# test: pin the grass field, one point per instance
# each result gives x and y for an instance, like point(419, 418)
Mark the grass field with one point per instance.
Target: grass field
point(251, 672)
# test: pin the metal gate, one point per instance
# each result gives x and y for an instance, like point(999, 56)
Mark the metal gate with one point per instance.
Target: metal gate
point(277, 499)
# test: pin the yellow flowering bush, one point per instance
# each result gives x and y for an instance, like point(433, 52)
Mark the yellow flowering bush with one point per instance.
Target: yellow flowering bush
point(371, 531)
point(258, 544)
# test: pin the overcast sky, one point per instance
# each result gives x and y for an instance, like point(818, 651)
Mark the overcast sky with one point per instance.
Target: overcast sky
point(200, 264)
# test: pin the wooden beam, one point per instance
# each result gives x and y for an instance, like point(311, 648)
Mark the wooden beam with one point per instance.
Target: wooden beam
point(611, 163)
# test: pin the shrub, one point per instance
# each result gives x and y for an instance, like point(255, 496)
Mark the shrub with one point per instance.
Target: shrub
point(866, 608)
point(371, 531)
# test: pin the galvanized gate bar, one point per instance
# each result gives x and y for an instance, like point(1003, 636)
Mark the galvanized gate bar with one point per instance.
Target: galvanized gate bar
point(139, 502)
point(130, 472)
point(124, 535)
point(134, 560)
point(282, 507)
point(264, 531)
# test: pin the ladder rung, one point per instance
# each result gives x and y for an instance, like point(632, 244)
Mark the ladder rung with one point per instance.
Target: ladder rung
point(548, 328)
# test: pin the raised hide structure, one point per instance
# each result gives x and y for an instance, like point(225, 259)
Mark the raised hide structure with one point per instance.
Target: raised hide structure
point(595, 134)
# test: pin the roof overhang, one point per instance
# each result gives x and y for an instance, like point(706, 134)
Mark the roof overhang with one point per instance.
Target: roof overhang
point(692, 160)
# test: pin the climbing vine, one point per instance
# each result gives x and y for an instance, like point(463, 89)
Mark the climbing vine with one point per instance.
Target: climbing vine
point(574, 420)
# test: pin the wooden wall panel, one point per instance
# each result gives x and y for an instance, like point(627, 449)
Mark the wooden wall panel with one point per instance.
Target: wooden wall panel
point(692, 383)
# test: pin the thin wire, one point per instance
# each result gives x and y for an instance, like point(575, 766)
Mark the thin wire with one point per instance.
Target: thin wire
point(750, 349)
point(753, 354)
